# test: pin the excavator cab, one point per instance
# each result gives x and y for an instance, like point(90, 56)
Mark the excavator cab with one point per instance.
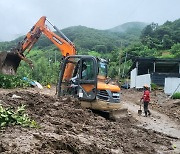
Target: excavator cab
point(85, 81)
point(82, 80)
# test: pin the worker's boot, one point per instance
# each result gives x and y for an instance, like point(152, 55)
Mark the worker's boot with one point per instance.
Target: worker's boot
point(145, 113)
point(149, 113)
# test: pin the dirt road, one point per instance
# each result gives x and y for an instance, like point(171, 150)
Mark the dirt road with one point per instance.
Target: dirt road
point(67, 128)
point(161, 120)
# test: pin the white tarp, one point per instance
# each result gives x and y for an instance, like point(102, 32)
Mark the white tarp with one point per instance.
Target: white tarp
point(133, 78)
point(171, 85)
point(142, 80)
point(138, 81)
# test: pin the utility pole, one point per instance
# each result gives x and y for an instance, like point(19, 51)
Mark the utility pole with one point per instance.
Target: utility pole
point(120, 59)
point(119, 71)
point(124, 64)
point(49, 59)
point(55, 58)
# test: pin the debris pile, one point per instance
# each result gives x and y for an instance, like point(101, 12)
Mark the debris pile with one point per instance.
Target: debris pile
point(67, 128)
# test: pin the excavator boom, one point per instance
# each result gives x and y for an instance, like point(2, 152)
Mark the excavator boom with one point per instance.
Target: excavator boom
point(9, 61)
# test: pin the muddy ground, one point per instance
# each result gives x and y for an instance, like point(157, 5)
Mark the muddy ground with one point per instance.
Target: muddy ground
point(67, 128)
point(159, 102)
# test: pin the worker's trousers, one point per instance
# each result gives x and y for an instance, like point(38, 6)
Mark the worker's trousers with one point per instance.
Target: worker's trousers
point(146, 110)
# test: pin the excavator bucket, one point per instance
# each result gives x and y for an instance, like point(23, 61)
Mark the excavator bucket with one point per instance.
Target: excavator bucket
point(9, 62)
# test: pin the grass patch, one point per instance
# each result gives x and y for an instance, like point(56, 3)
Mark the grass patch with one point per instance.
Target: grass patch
point(176, 95)
point(154, 86)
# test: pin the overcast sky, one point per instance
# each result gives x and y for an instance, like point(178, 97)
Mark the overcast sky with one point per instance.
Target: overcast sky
point(18, 16)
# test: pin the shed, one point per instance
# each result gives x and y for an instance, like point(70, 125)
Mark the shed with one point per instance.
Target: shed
point(153, 70)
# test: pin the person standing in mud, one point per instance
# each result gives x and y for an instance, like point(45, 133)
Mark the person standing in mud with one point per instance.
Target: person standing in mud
point(146, 100)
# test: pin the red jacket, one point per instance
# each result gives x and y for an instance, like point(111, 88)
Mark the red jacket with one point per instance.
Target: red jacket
point(146, 96)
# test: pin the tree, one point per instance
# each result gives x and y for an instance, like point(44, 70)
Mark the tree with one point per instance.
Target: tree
point(175, 50)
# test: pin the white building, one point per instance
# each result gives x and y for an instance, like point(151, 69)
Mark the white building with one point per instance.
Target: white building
point(162, 72)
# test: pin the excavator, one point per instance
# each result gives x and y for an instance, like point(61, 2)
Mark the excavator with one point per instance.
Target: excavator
point(81, 76)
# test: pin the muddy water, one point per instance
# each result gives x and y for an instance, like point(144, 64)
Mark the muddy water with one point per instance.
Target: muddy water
point(158, 122)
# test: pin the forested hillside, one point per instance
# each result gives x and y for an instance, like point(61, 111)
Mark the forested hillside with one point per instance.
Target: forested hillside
point(132, 28)
point(158, 41)
point(120, 45)
point(91, 39)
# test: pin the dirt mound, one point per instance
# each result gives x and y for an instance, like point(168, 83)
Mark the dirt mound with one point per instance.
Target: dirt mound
point(166, 105)
point(67, 128)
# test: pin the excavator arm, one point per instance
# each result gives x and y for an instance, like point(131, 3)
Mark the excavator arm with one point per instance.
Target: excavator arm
point(9, 61)
point(63, 43)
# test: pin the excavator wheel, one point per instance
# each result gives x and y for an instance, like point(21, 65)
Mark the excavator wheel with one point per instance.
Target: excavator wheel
point(9, 62)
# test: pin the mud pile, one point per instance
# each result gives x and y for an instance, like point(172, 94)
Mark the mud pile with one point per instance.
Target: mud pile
point(171, 108)
point(67, 128)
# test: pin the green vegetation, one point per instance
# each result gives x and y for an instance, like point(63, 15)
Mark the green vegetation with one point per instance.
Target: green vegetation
point(161, 37)
point(46, 66)
point(154, 86)
point(8, 81)
point(119, 45)
point(156, 41)
point(88, 39)
point(176, 95)
point(10, 117)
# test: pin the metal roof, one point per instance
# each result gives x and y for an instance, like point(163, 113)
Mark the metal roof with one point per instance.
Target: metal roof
point(147, 61)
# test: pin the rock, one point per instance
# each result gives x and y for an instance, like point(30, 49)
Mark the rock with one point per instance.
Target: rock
point(56, 104)
point(16, 96)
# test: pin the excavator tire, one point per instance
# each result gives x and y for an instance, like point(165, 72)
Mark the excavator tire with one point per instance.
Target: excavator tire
point(9, 62)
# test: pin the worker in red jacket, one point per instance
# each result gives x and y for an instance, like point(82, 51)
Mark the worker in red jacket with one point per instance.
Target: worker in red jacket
point(146, 100)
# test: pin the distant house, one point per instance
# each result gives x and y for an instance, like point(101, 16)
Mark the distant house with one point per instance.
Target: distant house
point(154, 70)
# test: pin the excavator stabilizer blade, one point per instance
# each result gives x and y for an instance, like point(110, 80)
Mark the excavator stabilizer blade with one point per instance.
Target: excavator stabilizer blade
point(118, 114)
point(116, 111)
point(9, 62)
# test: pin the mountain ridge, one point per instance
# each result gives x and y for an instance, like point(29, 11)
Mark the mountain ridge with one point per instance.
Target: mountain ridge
point(128, 25)
point(114, 29)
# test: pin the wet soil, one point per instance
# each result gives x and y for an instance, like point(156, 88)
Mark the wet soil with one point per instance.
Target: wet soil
point(159, 102)
point(67, 128)
point(164, 113)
